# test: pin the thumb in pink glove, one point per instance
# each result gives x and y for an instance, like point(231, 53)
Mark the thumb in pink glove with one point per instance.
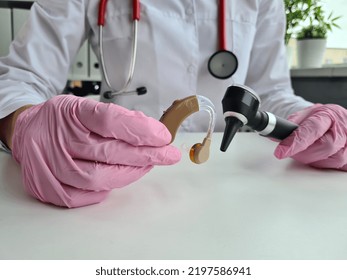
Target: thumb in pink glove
point(73, 151)
point(320, 139)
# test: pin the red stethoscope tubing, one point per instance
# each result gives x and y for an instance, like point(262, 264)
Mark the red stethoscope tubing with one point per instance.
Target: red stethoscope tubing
point(102, 11)
point(136, 16)
point(222, 28)
point(136, 9)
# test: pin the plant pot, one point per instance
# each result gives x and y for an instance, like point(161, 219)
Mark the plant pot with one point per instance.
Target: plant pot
point(289, 53)
point(311, 52)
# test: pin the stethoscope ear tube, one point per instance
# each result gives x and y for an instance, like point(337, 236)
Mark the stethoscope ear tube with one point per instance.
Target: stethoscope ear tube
point(101, 22)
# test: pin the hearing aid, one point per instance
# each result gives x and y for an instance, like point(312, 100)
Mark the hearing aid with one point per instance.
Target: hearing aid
point(181, 109)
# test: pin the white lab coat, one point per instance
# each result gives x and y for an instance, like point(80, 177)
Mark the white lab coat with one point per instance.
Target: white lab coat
point(176, 39)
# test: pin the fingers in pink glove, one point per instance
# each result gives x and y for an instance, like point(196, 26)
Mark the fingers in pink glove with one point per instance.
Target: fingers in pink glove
point(111, 120)
point(314, 139)
point(335, 161)
point(113, 151)
point(87, 183)
point(78, 198)
point(113, 135)
point(323, 148)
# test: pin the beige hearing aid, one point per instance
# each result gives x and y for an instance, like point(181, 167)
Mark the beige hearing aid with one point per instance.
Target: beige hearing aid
point(182, 109)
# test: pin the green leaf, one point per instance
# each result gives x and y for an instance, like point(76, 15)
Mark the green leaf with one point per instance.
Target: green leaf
point(299, 12)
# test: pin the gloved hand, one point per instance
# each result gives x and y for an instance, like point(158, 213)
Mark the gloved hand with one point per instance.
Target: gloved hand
point(320, 139)
point(73, 151)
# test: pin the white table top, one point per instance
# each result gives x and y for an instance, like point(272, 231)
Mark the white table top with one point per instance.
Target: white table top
point(242, 204)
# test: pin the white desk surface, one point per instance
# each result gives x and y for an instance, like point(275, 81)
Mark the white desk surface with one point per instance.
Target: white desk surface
point(242, 204)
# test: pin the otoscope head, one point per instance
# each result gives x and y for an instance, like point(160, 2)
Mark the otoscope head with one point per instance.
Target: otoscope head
point(240, 104)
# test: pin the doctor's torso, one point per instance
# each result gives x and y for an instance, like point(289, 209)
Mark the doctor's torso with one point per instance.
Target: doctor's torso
point(176, 39)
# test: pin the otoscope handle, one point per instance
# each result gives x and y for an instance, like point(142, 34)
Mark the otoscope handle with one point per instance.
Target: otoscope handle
point(270, 125)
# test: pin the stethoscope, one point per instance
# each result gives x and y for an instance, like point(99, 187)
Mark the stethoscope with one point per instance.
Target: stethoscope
point(222, 64)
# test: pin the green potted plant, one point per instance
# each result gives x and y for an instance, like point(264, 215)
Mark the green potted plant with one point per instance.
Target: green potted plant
point(296, 13)
point(312, 35)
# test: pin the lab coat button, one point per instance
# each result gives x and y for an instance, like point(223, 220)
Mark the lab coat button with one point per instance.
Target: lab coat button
point(189, 11)
point(191, 68)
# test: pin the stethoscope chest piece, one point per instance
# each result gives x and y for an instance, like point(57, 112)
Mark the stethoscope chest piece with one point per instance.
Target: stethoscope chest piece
point(222, 64)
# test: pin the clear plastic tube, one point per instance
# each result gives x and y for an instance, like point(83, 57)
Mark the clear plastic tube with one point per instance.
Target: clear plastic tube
point(207, 105)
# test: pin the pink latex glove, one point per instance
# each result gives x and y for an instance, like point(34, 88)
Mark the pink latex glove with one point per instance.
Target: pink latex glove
point(320, 139)
point(73, 151)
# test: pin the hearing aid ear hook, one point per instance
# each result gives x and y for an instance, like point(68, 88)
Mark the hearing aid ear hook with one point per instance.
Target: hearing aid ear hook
point(182, 109)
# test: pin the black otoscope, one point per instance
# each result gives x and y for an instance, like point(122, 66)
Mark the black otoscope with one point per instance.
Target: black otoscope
point(240, 107)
